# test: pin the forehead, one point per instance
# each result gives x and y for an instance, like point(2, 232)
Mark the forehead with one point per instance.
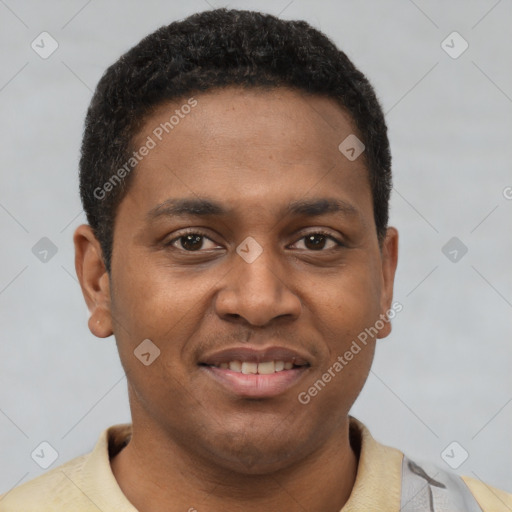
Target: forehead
point(251, 143)
point(280, 114)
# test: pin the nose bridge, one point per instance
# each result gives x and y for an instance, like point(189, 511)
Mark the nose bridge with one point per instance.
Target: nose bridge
point(257, 287)
point(259, 268)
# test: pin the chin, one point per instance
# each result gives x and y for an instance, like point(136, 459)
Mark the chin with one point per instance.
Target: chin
point(255, 455)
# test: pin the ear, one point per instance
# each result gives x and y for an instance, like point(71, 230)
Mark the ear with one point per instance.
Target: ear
point(94, 280)
point(389, 260)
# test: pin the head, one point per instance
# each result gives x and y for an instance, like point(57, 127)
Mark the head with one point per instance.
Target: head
point(194, 55)
point(224, 210)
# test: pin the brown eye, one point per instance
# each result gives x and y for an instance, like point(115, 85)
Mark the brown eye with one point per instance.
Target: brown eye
point(192, 242)
point(317, 241)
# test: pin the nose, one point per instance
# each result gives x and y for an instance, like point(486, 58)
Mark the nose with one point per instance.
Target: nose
point(259, 292)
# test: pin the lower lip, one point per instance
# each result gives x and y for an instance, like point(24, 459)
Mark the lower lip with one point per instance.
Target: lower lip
point(256, 385)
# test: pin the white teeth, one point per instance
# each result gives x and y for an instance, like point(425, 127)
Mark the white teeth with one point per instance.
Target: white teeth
point(279, 366)
point(266, 368)
point(236, 366)
point(251, 368)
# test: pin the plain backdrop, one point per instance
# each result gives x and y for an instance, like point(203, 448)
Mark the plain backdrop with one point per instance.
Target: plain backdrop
point(443, 375)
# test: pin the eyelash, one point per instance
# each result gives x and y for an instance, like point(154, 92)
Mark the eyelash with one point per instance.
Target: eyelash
point(193, 231)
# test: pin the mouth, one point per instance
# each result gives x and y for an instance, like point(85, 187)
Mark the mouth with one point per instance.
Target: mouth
point(254, 368)
point(248, 372)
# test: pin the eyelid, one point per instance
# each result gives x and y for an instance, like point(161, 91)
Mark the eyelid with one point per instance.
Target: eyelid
point(313, 231)
point(321, 231)
point(189, 231)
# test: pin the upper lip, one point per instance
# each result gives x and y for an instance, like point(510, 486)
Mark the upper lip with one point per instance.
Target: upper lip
point(256, 355)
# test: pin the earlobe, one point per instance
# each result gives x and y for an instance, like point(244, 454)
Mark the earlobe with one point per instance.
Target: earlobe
point(94, 280)
point(389, 260)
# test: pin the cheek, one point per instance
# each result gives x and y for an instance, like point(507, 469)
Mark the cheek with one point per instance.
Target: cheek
point(154, 301)
point(150, 303)
point(349, 302)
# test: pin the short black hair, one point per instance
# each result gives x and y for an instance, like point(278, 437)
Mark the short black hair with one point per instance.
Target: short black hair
point(211, 50)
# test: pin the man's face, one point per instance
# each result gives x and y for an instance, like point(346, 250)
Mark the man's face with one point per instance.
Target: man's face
point(253, 277)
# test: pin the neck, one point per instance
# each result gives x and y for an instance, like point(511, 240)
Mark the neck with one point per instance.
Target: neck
point(156, 473)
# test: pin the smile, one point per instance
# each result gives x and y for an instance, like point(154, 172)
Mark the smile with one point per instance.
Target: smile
point(253, 368)
point(256, 372)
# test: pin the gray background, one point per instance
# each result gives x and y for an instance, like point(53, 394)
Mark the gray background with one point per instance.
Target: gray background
point(443, 375)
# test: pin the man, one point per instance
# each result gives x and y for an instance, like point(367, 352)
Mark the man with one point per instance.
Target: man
point(236, 175)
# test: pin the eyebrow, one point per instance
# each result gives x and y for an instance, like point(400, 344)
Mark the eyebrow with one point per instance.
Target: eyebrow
point(210, 208)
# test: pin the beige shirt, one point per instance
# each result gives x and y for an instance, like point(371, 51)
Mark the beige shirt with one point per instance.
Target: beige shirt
point(87, 484)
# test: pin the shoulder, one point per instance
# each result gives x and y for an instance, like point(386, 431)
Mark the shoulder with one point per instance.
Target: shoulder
point(84, 484)
point(52, 491)
point(414, 486)
point(429, 487)
point(489, 498)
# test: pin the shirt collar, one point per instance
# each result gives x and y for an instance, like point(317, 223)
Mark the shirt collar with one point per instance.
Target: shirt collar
point(379, 473)
point(377, 485)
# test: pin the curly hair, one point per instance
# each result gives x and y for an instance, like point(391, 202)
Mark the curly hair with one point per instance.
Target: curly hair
point(216, 49)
